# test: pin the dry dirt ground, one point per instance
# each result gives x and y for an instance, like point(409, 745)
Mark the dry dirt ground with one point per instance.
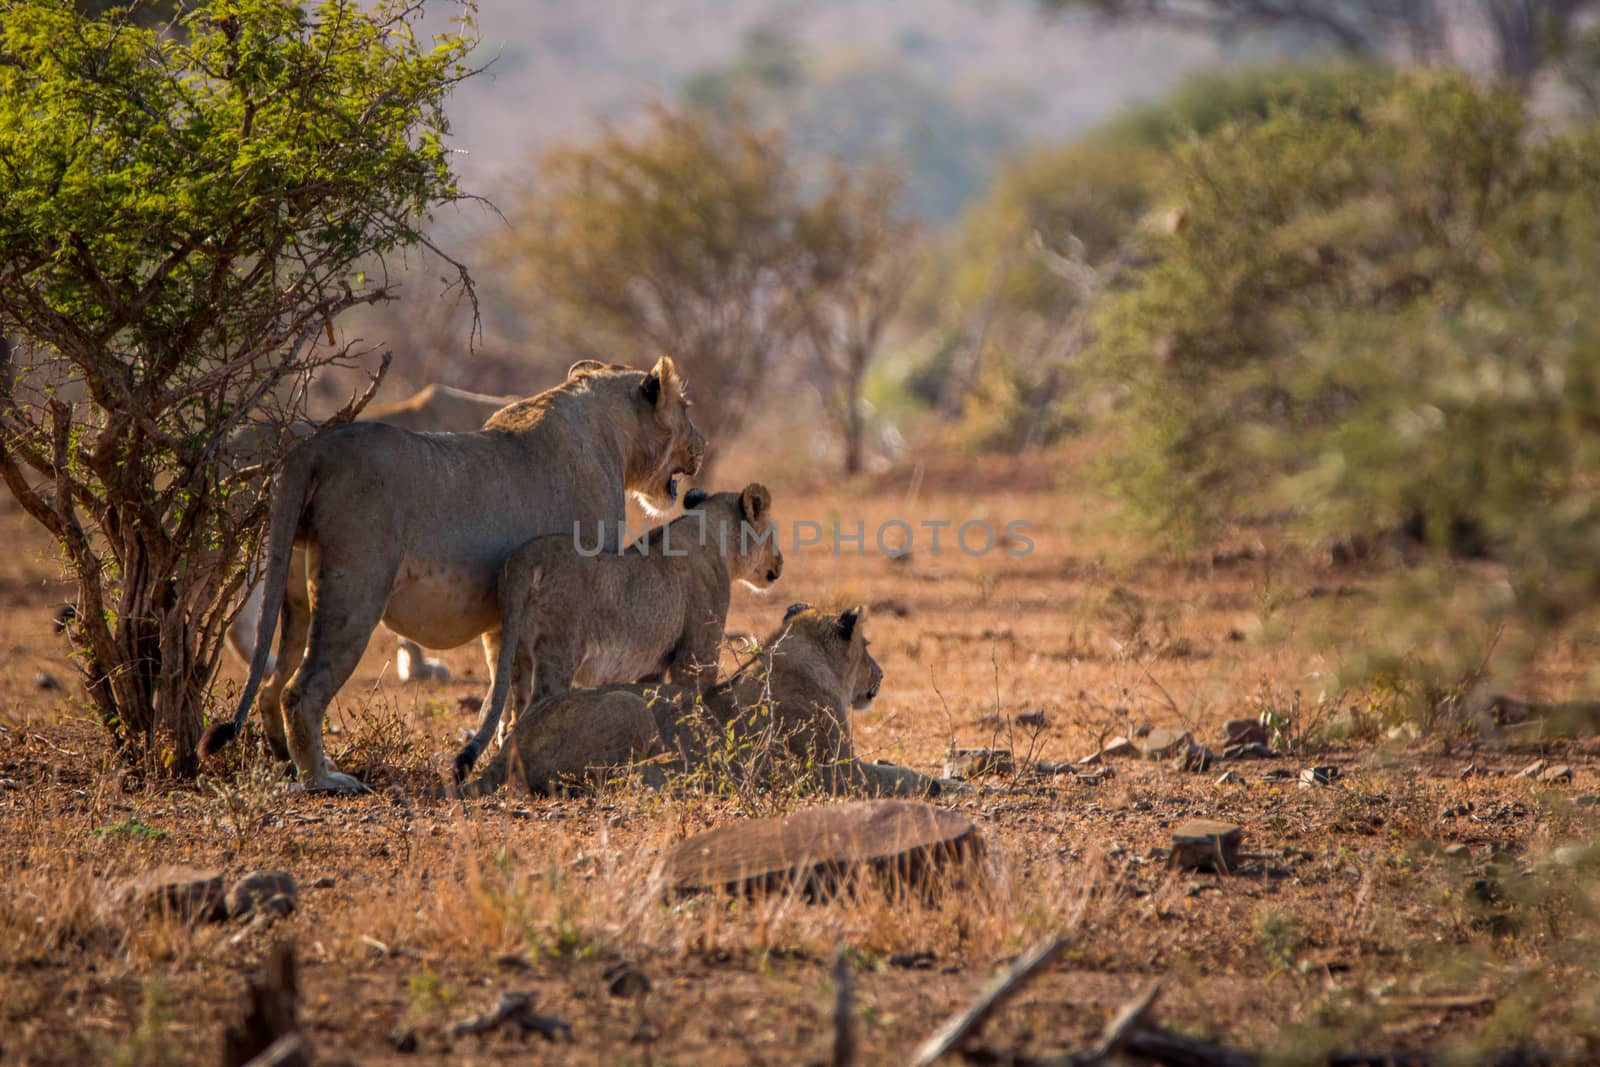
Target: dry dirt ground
point(1350, 924)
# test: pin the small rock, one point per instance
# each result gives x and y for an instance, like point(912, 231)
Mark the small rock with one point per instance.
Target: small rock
point(626, 980)
point(1118, 746)
point(263, 893)
point(327, 881)
point(1235, 635)
point(1195, 758)
point(1455, 811)
point(471, 702)
point(404, 1041)
point(1250, 750)
point(1166, 741)
point(914, 961)
point(1205, 845)
point(1563, 773)
point(1280, 773)
point(64, 616)
point(8, 784)
point(1229, 778)
point(1245, 732)
point(1314, 776)
point(1456, 850)
point(976, 762)
point(1097, 777)
point(46, 681)
point(1033, 720)
point(1587, 802)
point(1533, 770)
point(192, 893)
point(1468, 771)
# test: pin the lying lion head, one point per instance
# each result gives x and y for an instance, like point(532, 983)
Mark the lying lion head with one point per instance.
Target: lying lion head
point(838, 639)
point(741, 525)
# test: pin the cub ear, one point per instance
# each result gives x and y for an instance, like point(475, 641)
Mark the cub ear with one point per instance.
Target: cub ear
point(694, 498)
point(755, 501)
point(585, 367)
point(849, 621)
point(795, 609)
point(662, 382)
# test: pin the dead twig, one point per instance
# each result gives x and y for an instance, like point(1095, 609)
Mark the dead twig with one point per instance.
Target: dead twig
point(514, 1009)
point(844, 1019)
point(950, 1036)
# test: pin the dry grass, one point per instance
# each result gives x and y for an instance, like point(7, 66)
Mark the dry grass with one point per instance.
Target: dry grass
point(1349, 926)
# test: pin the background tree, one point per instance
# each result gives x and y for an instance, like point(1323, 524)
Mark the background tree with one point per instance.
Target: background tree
point(182, 217)
point(863, 261)
point(697, 235)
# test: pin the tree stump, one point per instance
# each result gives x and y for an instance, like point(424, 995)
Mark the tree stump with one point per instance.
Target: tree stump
point(821, 852)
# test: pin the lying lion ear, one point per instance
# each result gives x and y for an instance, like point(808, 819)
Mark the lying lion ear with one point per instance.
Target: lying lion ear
point(849, 620)
point(795, 609)
point(755, 501)
point(585, 366)
point(694, 498)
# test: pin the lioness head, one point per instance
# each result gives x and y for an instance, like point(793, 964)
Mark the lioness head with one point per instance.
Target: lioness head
point(667, 442)
point(842, 644)
point(742, 524)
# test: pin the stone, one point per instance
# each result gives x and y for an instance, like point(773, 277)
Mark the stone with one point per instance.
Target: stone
point(46, 681)
point(1249, 750)
point(977, 762)
point(1533, 770)
point(1206, 845)
point(1118, 746)
point(271, 893)
point(1229, 778)
point(627, 981)
point(1245, 732)
point(817, 851)
point(1166, 741)
point(193, 894)
point(1196, 758)
point(1587, 802)
point(1315, 776)
point(1456, 850)
point(1562, 773)
point(1033, 720)
point(7, 784)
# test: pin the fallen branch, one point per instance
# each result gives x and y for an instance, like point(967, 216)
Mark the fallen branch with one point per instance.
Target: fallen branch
point(513, 1009)
point(950, 1036)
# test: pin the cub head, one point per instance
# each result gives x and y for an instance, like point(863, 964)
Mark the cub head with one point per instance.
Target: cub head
point(667, 442)
point(839, 643)
point(743, 527)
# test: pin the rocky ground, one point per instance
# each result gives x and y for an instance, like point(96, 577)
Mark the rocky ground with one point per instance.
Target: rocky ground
point(1363, 883)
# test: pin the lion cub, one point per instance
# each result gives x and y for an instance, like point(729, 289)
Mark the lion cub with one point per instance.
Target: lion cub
point(657, 607)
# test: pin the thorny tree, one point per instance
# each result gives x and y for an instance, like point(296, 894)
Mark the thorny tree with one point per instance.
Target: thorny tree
point(183, 215)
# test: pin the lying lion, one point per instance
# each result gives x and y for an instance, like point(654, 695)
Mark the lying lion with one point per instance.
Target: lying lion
point(656, 609)
point(787, 709)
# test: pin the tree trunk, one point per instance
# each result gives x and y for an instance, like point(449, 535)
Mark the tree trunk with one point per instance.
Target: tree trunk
point(852, 420)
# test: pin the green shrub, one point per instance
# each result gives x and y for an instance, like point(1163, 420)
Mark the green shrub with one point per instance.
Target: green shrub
point(1376, 309)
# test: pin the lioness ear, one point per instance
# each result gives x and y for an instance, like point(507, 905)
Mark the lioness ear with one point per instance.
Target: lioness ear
point(849, 620)
point(585, 366)
point(694, 498)
point(795, 609)
point(663, 374)
point(755, 501)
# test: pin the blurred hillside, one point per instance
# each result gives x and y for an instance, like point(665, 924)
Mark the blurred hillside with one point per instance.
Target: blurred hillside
point(557, 67)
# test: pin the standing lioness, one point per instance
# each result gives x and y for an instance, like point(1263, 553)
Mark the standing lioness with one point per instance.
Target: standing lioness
point(410, 529)
point(659, 607)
